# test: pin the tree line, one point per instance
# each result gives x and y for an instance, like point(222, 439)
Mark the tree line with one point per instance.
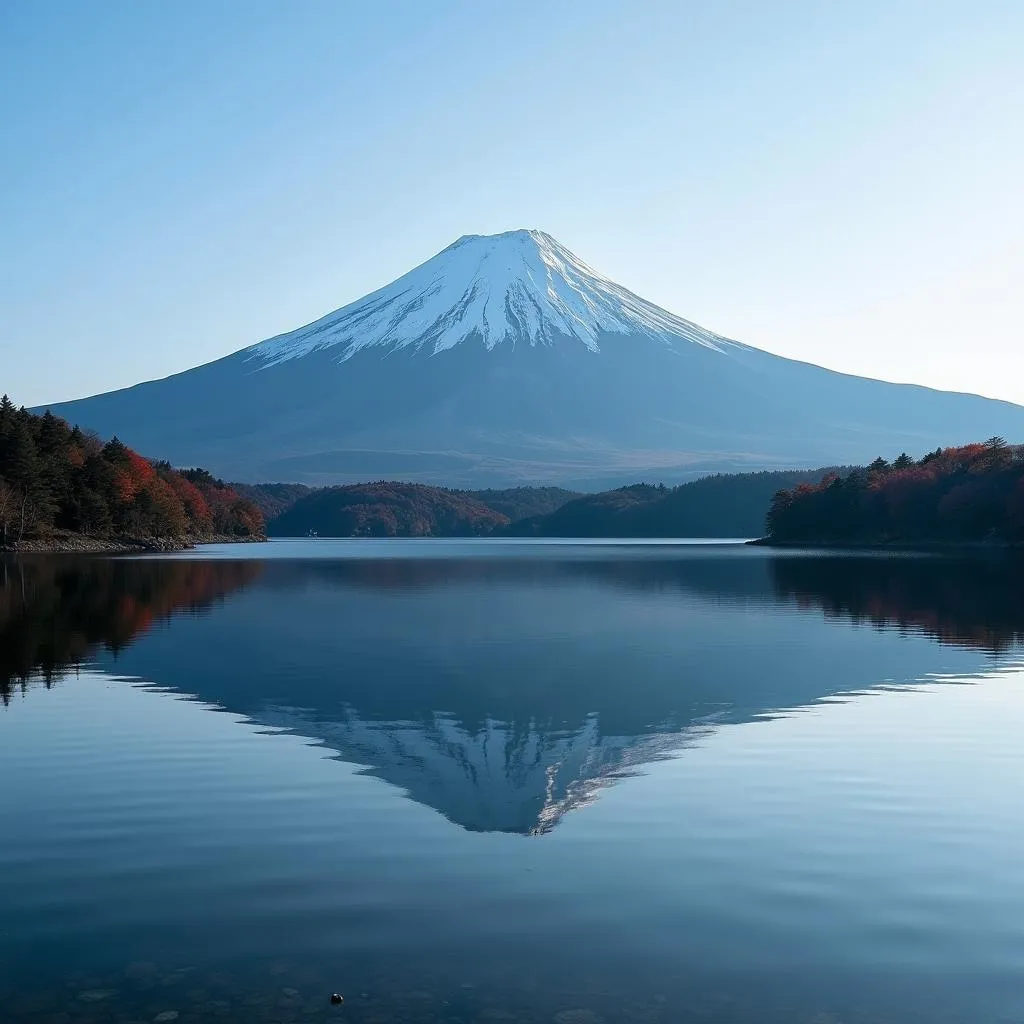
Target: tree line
point(972, 493)
point(723, 505)
point(55, 477)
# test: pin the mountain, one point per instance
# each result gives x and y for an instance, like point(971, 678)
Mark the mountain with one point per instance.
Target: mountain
point(505, 359)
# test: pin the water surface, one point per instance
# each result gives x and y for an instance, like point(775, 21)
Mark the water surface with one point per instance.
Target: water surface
point(467, 781)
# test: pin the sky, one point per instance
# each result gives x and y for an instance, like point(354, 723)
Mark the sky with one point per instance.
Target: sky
point(839, 183)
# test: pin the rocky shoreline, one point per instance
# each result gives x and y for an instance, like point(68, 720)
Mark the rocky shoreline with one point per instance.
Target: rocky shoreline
point(80, 544)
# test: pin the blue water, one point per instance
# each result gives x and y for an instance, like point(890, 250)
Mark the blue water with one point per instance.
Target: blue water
point(461, 781)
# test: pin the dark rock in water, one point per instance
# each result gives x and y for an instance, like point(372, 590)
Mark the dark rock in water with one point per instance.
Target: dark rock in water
point(336, 1000)
point(577, 1016)
point(95, 995)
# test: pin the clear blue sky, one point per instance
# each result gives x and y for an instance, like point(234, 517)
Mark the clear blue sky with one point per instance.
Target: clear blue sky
point(839, 182)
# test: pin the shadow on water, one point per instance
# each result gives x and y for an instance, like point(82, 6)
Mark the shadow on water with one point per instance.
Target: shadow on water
point(505, 692)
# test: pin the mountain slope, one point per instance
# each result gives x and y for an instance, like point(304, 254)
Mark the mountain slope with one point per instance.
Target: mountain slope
point(506, 360)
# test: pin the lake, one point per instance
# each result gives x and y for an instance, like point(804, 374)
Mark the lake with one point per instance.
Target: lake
point(471, 781)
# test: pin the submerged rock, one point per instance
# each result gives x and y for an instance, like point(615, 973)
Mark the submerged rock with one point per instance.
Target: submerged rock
point(95, 995)
point(577, 1016)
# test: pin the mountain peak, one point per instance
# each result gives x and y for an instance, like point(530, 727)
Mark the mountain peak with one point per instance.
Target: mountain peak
point(520, 287)
point(521, 235)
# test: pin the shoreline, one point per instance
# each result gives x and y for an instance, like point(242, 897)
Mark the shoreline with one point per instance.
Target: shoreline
point(78, 544)
point(890, 546)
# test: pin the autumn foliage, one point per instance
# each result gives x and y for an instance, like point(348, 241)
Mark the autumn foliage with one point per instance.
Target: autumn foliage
point(968, 494)
point(54, 477)
point(388, 508)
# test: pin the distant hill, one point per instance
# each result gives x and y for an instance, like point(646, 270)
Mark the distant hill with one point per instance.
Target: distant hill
point(523, 502)
point(725, 505)
point(387, 509)
point(272, 499)
point(513, 503)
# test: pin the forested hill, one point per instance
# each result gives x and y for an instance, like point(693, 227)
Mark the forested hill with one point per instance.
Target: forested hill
point(272, 499)
point(718, 506)
point(57, 479)
point(387, 509)
point(969, 494)
point(726, 505)
point(523, 502)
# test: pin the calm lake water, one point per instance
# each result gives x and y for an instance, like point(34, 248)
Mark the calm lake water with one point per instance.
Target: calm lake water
point(478, 781)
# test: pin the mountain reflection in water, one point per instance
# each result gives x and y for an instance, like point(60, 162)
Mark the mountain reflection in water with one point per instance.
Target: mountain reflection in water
point(505, 692)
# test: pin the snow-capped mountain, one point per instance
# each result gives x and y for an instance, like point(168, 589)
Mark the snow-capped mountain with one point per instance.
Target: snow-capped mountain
point(506, 359)
point(516, 288)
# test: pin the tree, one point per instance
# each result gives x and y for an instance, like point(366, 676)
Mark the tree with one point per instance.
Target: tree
point(971, 493)
point(10, 503)
point(54, 475)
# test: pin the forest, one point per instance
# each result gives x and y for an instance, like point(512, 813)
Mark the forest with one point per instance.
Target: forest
point(272, 499)
point(56, 479)
point(970, 494)
point(723, 505)
point(387, 508)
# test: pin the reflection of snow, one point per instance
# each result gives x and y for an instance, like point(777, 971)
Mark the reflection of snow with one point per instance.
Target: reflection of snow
point(499, 777)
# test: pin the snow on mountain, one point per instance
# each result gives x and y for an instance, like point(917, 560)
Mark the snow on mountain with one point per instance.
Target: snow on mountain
point(519, 287)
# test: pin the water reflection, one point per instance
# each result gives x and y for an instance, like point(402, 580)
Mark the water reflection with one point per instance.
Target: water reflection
point(503, 693)
point(57, 612)
point(974, 602)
